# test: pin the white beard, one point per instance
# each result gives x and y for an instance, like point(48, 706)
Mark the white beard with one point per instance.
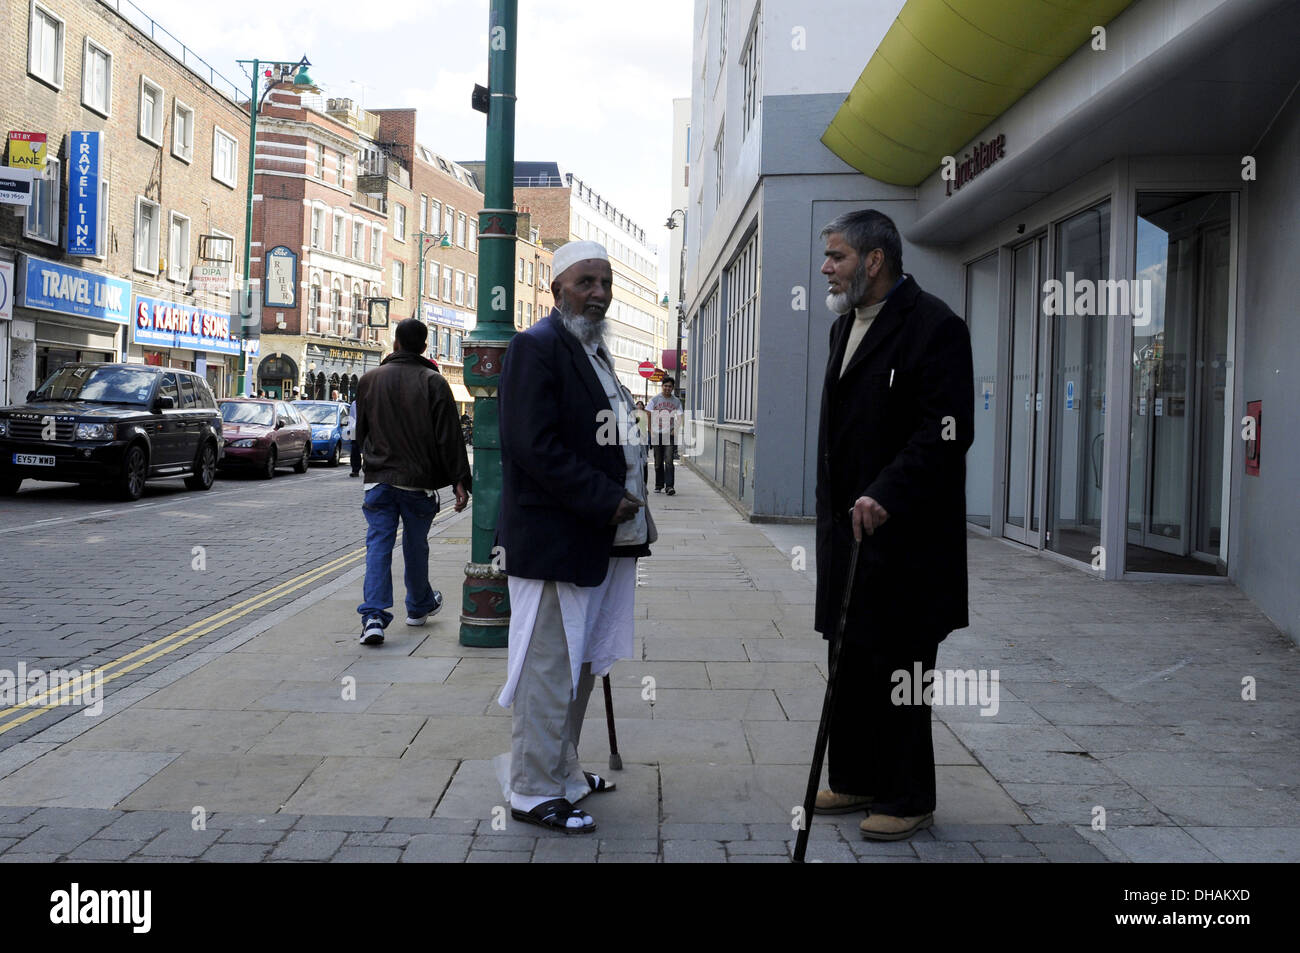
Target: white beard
point(590, 333)
point(846, 301)
point(838, 303)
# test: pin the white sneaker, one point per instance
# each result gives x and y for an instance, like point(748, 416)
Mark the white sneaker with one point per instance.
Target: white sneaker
point(372, 631)
point(421, 619)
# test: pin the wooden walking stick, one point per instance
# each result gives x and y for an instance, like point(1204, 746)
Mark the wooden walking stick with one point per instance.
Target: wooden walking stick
point(823, 727)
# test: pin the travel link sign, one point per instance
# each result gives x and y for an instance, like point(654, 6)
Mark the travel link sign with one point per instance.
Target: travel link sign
point(83, 194)
point(50, 286)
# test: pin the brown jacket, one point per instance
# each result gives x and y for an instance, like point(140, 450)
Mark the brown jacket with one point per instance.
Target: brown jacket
point(407, 426)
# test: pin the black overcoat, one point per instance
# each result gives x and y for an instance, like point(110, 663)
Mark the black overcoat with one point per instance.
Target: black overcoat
point(896, 428)
point(560, 483)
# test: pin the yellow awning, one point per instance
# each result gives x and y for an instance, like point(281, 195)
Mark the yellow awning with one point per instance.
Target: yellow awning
point(460, 393)
point(945, 70)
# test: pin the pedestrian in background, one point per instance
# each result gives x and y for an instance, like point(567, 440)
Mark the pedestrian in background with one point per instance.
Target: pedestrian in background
point(643, 432)
point(354, 445)
point(572, 525)
point(406, 425)
point(897, 417)
point(665, 424)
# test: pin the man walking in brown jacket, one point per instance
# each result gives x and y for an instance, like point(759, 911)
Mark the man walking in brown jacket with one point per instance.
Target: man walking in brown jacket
point(410, 438)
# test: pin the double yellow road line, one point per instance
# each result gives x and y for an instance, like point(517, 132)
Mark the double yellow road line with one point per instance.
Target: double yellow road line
point(33, 707)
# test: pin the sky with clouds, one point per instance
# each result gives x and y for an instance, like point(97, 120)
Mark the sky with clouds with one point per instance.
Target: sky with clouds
point(595, 78)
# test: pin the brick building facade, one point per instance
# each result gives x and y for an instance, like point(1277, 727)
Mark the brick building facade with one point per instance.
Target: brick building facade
point(165, 165)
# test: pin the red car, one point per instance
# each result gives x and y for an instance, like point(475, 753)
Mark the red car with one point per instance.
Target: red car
point(262, 435)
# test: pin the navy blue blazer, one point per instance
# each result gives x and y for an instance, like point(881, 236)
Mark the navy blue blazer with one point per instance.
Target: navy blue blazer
point(559, 487)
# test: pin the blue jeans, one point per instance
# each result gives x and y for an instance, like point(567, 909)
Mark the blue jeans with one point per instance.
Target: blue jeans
point(383, 506)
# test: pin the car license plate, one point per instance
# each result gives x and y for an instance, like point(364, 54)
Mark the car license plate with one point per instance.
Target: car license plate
point(32, 460)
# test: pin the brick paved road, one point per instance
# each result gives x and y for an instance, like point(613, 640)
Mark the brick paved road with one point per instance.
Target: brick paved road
point(85, 579)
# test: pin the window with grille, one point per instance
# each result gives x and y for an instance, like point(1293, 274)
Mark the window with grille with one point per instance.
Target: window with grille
point(708, 342)
point(742, 334)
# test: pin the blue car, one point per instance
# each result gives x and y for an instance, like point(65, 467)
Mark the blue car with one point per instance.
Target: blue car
point(329, 420)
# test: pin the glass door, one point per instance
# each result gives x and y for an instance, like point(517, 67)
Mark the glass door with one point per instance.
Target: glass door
point(1025, 406)
point(1180, 358)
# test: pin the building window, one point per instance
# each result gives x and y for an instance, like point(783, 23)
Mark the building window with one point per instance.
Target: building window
point(457, 353)
point(460, 229)
point(320, 161)
point(528, 312)
point(45, 46)
point(521, 270)
point(374, 248)
point(433, 279)
point(358, 312)
point(151, 107)
point(313, 304)
point(178, 248)
point(102, 234)
point(182, 131)
point(435, 215)
point(96, 77)
point(722, 34)
point(749, 63)
point(424, 213)
point(317, 228)
point(460, 287)
point(448, 220)
point(529, 280)
point(473, 237)
point(471, 290)
point(446, 285)
point(742, 334)
point(146, 236)
point(42, 219)
point(519, 318)
point(707, 401)
point(342, 161)
point(399, 279)
point(225, 154)
point(399, 223)
point(336, 307)
point(719, 166)
point(358, 240)
point(339, 225)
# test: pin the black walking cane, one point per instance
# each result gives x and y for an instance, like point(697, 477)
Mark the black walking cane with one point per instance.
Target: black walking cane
point(615, 761)
point(823, 727)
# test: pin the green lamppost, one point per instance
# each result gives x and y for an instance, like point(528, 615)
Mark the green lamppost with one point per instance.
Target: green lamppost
point(485, 607)
point(295, 76)
point(444, 241)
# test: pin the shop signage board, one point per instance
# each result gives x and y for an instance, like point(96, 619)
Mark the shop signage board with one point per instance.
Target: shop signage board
point(211, 276)
point(448, 317)
point(160, 323)
point(16, 186)
point(82, 234)
point(49, 286)
point(281, 285)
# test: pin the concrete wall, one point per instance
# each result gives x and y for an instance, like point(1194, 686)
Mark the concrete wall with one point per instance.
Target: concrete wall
point(1267, 522)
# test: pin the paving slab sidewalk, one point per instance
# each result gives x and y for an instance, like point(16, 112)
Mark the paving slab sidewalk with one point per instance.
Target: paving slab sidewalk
point(1120, 732)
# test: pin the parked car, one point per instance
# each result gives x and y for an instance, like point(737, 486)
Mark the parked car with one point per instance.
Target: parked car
point(264, 434)
point(329, 421)
point(115, 425)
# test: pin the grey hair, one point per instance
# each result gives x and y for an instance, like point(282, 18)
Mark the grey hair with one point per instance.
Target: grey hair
point(866, 229)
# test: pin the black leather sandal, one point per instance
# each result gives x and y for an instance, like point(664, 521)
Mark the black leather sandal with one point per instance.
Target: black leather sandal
point(598, 784)
point(554, 815)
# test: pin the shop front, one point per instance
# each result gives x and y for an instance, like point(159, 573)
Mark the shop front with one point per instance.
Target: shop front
point(277, 376)
point(334, 369)
point(71, 314)
point(168, 334)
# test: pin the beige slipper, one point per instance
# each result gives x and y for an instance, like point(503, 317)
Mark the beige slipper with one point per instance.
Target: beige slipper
point(888, 827)
point(828, 802)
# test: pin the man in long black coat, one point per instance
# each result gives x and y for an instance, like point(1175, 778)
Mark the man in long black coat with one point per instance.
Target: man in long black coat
point(897, 417)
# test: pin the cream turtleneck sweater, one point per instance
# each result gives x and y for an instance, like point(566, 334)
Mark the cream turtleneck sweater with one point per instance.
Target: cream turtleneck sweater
point(863, 315)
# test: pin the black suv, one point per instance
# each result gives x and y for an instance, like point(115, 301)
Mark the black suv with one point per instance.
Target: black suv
point(113, 424)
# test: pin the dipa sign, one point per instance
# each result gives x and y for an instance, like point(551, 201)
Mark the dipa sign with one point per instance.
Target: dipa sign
point(83, 193)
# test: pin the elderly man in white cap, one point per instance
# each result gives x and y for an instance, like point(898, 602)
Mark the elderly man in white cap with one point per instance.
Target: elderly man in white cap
point(573, 523)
